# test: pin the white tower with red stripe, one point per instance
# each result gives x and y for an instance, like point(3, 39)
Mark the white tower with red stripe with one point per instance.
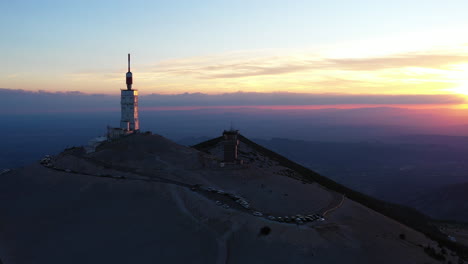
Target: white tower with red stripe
point(129, 105)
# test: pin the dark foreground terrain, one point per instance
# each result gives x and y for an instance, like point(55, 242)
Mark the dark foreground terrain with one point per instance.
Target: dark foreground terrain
point(145, 199)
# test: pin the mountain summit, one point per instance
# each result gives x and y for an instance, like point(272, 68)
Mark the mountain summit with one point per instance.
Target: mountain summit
point(145, 199)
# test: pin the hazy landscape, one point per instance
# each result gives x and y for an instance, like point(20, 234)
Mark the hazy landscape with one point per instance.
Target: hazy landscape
point(362, 148)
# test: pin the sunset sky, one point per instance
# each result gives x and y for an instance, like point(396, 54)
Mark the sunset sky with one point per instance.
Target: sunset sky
point(338, 47)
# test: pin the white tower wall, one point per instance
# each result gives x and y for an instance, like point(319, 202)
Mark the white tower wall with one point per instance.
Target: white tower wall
point(129, 110)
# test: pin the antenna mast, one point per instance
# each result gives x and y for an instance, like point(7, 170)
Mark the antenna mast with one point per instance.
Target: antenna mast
point(129, 62)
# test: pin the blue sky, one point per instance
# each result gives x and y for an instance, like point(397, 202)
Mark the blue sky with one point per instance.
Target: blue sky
point(43, 40)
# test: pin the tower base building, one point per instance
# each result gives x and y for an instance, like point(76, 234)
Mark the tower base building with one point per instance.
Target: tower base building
point(231, 146)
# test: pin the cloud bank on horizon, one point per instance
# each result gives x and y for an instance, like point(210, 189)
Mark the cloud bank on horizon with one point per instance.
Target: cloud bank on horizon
point(24, 102)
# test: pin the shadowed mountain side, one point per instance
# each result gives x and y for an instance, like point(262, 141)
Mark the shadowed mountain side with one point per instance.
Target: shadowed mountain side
point(145, 199)
point(412, 164)
point(58, 217)
point(403, 214)
point(446, 203)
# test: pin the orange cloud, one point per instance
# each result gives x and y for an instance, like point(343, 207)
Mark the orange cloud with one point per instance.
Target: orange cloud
point(433, 61)
point(425, 72)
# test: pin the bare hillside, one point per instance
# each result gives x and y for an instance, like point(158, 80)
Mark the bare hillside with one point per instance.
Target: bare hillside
point(145, 199)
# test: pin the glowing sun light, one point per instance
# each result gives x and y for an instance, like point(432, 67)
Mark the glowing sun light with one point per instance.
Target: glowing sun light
point(461, 89)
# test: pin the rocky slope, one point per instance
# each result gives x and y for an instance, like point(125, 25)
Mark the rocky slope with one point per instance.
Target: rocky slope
point(145, 199)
